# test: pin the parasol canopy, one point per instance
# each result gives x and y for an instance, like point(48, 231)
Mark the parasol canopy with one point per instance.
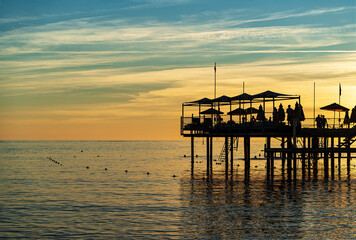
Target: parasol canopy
point(203, 101)
point(222, 98)
point(347, 118)
point(335, 107)
point(251, 110)
point(211, 111)
point(243, 96)
point(237, 111)
point(260, 114)
point(353, 115)
point(269, 94)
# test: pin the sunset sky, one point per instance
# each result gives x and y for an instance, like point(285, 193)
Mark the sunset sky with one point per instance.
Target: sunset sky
point(105, 69)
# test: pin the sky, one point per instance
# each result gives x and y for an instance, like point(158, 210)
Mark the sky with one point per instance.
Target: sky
point(120, 70)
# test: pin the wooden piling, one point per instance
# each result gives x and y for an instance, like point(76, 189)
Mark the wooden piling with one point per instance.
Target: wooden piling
point(247, 157)
point(348, 158)
point(207, 156)
point(326, 160)
point(192, 154)
point(303, 159)
point(232, 155)
point(226, 156)
point(332, 160)
point(315, 145)
point(289, 160)
point(283, 154)
point(268, 146)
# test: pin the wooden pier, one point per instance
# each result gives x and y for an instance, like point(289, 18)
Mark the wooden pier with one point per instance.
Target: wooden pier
point(300, 140)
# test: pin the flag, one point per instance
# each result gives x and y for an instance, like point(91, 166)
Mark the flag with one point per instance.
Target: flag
point(339, 89)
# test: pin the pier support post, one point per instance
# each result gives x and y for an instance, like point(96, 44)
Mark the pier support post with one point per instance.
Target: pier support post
point(326, 160)
point(339, 155)
point(289, 160)
point(247, 157)
point(268, 146)
point(348, 158)
point(303, 158)
point(315, 146)
point(232, 155)
point(211, 156)
point(283, 154)
point(294, 159)
point(309, 157)
point(332, 158)
point(207, 156)
point(192, 154)
point(226, 156)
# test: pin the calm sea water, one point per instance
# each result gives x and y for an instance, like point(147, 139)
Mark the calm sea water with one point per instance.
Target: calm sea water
point(43, 199)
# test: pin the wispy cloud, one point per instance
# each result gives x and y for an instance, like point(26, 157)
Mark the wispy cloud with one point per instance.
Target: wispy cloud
point(77, 56)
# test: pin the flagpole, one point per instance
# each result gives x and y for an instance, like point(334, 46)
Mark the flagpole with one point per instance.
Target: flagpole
point(339, 101)
point(314, 105)
point(214, 80)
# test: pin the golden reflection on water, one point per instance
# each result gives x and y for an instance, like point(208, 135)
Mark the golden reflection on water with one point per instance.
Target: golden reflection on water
point(231, 208)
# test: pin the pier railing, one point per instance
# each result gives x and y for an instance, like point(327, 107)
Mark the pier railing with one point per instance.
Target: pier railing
point(331, 123)
point(202, 124)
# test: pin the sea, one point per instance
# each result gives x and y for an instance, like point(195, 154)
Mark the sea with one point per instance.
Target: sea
point(146, 190)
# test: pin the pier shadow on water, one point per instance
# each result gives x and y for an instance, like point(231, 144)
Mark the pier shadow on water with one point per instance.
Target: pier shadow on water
point(233, 208)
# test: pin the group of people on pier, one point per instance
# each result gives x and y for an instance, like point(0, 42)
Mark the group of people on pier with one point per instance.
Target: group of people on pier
point(321, 121)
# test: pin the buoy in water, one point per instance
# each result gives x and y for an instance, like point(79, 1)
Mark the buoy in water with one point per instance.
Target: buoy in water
point(148, 173)
point(185, 155)
point(106, 169)
point(125, 170)
point(87, 167)
point(174, 176)
point(196, 155)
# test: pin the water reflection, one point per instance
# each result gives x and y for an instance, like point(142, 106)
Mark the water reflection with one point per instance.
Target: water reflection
point(220, 209)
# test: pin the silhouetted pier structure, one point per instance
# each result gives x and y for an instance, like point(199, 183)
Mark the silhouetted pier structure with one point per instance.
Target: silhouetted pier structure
point(301, 139)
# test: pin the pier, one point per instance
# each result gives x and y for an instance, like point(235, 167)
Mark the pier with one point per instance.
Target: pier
point(305, 140)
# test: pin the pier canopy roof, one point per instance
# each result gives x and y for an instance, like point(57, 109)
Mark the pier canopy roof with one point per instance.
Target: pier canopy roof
point(251, 110)
point(272, 96)
point(243, 96)
point(266, 96)
point(211, 111)
point(237, 111)
point(203, 101)
point(223, 99)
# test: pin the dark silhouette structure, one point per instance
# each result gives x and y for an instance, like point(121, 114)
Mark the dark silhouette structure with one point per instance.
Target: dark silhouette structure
point(301, 140)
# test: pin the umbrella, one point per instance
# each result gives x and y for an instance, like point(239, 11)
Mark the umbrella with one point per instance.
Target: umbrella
point(237, 111)
point(251, 110)
point(347, 119)
point(281, 113)
point(353, 115)
point(203, 101)
point(243, 96)
point(211, 111)
point(260, 114)
point(269, 94)
point(222, 98)
point(301, 113)
point(335, 108)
